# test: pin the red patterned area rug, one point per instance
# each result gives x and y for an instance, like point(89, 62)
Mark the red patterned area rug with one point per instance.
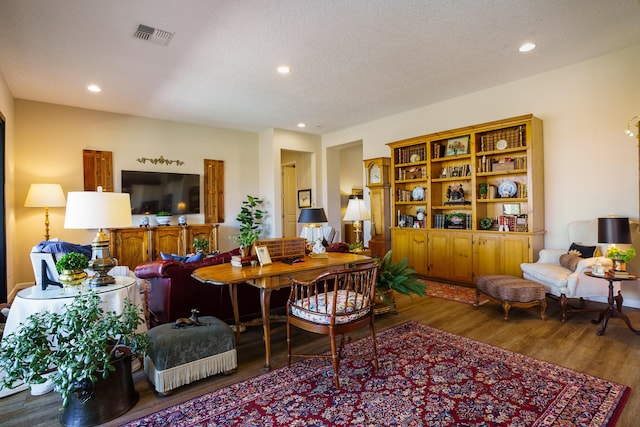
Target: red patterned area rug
point(451, 292)
point(427, 377)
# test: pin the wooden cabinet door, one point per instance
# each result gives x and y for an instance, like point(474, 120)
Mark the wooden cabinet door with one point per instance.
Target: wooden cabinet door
point(418, 251)
point(439, 254)
point(399, 244)
point(514, 251)
point(486, 255)
point(169, 240)
point(197, 231)
point(130, 246)
point(461, 262)
point(98, 170)
point(213, 191)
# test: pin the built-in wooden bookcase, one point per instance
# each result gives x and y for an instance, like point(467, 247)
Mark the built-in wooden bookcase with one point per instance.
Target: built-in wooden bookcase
point(469, 201)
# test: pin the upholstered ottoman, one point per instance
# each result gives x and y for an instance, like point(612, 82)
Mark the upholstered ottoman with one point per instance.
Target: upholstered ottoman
point(512, 291)
point(179, 356)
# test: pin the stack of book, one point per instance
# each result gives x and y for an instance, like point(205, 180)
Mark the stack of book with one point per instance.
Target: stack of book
point(619, 274)
point(238, 261)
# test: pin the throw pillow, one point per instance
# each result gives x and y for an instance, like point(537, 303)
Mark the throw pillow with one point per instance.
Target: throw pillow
point(193, 258)
point(570, 261)
point(172, 257)
point(585, 251)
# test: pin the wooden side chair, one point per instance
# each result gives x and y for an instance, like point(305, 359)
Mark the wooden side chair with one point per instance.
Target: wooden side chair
point(334, 303)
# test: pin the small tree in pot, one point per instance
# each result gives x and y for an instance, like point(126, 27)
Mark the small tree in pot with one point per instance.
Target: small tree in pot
point(399, 277)
point(78, 347)
point(250, 219)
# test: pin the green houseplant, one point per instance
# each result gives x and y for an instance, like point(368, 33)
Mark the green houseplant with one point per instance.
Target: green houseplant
point(250, 219)
point(620, 257)
point(71, 267)
point(200, 244)
point(77, 347)
point(398, 277)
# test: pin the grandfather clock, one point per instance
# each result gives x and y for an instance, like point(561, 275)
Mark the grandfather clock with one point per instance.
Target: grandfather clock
point(379, 186)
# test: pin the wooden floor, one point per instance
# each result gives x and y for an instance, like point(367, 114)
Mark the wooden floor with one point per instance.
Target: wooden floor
point(575, 344)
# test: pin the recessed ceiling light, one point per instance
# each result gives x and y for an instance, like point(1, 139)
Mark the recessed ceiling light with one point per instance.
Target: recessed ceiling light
point(302, 125)
point(527, 47)
point(284, 69)
point(94, 88)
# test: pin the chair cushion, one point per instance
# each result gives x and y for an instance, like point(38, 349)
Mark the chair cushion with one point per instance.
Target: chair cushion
point(553, 275)
point(345, 305)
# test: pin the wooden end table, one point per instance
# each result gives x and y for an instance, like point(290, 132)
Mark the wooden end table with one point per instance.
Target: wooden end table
point(613, 310)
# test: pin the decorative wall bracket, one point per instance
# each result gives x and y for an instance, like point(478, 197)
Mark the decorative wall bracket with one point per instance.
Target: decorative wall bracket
point(161, 160)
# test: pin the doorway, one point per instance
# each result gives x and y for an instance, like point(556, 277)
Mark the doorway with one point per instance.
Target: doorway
point(289, 200)
point(3, 230)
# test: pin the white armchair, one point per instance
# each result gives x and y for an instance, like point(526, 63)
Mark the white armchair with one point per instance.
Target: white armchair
point(563, 282)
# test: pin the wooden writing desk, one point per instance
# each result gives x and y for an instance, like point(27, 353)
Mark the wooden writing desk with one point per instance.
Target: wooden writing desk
point(269, 277)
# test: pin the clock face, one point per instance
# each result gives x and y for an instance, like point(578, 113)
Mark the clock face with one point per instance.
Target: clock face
point(374, 174)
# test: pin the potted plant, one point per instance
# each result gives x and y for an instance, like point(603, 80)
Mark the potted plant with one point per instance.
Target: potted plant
point(620, 257)
point(398, 277)
point(71, 268)
point(482, 190)
point(201, 244)
point(84, 351)
point(163, 217)
point(250, 219)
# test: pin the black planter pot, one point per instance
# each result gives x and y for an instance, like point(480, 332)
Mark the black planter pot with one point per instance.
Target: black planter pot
point(110, 398)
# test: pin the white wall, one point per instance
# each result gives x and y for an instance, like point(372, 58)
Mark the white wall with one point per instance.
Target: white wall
point(590, 166)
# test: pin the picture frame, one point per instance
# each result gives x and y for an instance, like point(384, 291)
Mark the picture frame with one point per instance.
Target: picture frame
point(457, 146)
point(304, 198)
point(44, 269)
point(262, 252)
point(511, 208)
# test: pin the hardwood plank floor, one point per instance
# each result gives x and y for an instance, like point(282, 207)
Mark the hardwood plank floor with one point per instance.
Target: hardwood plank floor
point(574, 344)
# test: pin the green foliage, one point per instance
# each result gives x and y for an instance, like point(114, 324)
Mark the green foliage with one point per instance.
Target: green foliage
point(164, 213)
point(72, 261)
point(461, 215)
point(398, 277)
point(77, 344)
point(616, 253)
point(250, 219)
point(200, 244)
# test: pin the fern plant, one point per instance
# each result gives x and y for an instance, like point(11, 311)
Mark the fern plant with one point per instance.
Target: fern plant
point(398, 277)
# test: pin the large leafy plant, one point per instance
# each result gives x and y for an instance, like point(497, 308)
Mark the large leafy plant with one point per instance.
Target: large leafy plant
point(77, 345)
point(250, 219)
point(399, 277)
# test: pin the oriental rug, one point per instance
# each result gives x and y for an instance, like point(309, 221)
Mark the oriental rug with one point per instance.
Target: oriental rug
point(427, 377)
point(452, 292)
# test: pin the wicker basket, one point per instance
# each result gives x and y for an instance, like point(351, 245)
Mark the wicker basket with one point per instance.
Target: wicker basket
point(285, 247)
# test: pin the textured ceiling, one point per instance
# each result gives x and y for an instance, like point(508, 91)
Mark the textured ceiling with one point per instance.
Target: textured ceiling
point(352, 61)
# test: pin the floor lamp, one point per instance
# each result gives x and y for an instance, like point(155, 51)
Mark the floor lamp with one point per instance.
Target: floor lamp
point(101, 210)
point(357, 212)
point(45, 196)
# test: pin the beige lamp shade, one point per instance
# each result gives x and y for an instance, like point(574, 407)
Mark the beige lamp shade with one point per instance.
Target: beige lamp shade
point(45, 196)
point(356, 211)
point(94, 209)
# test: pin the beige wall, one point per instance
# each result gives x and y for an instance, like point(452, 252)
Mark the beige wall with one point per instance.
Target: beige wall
point(8, 114)
point(50, 139)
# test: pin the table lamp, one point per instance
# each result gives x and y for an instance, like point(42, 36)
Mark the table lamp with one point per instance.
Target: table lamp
point(614, 230)
point(312, 218)
point(45, 196)
point(97, 209)
point(357, 212)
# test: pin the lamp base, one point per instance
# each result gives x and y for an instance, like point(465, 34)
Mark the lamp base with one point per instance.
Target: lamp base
point(101, 261)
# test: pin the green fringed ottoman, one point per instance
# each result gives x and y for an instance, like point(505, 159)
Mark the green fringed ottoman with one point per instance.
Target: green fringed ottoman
point(179, 356)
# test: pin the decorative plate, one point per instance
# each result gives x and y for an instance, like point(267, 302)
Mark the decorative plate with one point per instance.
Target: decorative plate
point(414, 158)
point(418, 193)
point(507, 189)
point(502, 144)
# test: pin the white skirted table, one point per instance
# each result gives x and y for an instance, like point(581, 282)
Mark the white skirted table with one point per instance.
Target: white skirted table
point(34, 300)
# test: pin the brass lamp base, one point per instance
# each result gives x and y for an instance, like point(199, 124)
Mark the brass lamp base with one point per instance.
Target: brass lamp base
point(101, 261)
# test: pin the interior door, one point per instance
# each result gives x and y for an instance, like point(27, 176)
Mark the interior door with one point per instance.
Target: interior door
point(289, 201)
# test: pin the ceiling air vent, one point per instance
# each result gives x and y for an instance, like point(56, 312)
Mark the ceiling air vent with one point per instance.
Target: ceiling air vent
point(153, 35)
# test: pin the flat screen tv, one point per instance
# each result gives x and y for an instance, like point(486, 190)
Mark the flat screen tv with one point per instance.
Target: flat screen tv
point(152, 192)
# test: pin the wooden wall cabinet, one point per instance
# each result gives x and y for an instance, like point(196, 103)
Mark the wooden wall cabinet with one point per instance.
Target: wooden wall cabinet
point(97, 170)
point(411, 244)
point(438, 184)
point(133, 246)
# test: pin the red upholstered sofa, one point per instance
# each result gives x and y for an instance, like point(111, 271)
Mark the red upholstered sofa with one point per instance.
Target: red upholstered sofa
point(174, 293)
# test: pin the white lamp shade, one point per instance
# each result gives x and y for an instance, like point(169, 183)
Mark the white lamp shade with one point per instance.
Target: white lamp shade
point(356, 211)
point(45, 196)
point(93, 209)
